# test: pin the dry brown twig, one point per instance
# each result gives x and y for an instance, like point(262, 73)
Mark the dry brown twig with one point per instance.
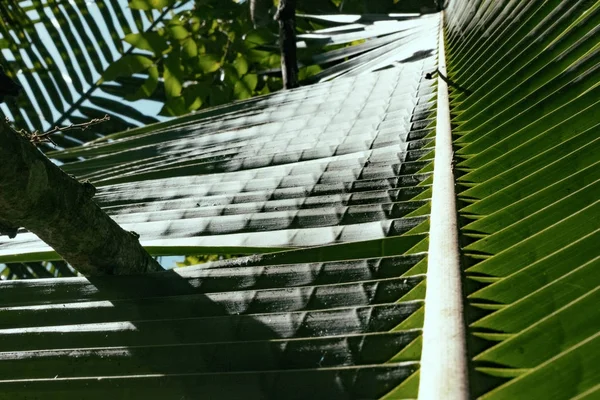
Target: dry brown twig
point(35, 137)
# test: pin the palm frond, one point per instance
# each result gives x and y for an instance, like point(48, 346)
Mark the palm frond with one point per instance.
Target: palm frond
point(528, 140)
point(250, 180)
point(327, 186)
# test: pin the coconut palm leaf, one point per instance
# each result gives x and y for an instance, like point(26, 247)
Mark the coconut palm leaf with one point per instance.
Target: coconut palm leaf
point(247, 180)
point(331, 184)
point(347, 201)
point(527, 139)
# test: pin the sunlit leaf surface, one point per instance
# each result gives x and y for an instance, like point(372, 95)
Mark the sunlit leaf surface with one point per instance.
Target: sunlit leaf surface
point(328, 186)
point(528, 143)
point(329, 182)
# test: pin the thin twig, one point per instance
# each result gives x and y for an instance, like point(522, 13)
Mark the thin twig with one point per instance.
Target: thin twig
point(36, 137)
point(429, 75)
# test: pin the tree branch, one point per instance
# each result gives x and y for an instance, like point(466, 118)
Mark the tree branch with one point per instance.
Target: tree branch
point(286, 16)
point(37, 137)
point(259, 12)
point(38, 195)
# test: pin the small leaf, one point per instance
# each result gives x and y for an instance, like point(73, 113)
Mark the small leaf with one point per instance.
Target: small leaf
point(256, 37)
point(177, 32)
point(264, 90)
point(149, 4)
point(208, 63)
point(240, 91)
point(149, 86)
point(189, 48)
point(151, 41)
point(241, 65)
point(126, 66)
point(195, 95)
point(251, 80)
point(306, 72)
point(195, 24)
point(229, 75)
point(274, 61)
point(173, 107)
point(173, 75)
point(244, 88)
point(258, 56)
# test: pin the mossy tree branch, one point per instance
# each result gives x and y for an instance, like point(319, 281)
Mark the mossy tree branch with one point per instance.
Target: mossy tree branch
point(38, 195)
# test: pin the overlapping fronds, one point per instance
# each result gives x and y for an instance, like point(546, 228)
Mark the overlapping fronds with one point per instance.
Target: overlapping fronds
point(79, 60)
point(333, 163)
point(343, 166)
point(528, 137)
point(292, 325)
point(332, 184)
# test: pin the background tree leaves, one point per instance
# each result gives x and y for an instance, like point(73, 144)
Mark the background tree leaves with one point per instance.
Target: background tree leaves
point(151, 41)
point(67, 53)
point(126, 66)
point(150, 4)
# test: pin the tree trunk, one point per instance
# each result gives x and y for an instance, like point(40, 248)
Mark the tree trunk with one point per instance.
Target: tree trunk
point(38, 195)
point(286, 16)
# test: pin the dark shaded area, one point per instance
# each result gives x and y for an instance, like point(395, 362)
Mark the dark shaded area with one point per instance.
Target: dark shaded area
point(8, 87)
point(238, 330)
